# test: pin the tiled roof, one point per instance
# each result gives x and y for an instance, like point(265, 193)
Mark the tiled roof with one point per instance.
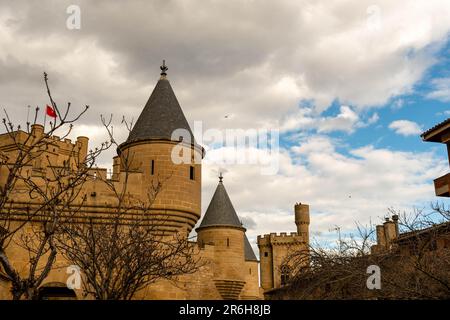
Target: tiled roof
point(220, 211)
point(248, 250)
point(161, 116)
point(438, 126)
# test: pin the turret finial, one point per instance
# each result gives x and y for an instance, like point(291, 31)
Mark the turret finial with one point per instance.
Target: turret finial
point(220, 177)
point(164, 69)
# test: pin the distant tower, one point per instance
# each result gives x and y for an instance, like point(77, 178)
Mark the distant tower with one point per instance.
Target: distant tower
point(302, 220)
point(149, 150)
point(274, 249)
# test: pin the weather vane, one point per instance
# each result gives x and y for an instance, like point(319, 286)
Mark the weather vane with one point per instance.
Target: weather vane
point(164, 68)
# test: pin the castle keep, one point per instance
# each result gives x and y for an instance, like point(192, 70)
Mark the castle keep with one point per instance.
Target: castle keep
point(274, 249)
point(231, 269)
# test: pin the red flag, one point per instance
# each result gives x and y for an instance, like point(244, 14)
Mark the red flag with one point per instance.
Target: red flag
point(51, 112)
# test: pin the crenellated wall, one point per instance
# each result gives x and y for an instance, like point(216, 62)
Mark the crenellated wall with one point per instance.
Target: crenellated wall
point(224, 272)
point(274, 249)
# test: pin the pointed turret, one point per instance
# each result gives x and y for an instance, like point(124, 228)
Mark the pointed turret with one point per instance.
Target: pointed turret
point(236, 264)
point(220, 211)
point(151, 157)
point(161, 116)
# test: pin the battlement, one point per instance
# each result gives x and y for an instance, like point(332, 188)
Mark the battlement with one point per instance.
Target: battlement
point(275, 248)
point(63, 142)
point(54, 143)
point(279, 239)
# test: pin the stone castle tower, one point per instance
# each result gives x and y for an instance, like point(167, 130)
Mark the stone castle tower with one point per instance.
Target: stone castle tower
point(232, 267)
point(236, 264)
point(149, 149)
point(274, 249)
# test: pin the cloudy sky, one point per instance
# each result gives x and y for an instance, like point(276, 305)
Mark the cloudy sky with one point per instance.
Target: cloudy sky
point(350, 85)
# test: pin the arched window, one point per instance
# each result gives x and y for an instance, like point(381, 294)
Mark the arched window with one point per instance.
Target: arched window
point(56, 291)
point(285, 274)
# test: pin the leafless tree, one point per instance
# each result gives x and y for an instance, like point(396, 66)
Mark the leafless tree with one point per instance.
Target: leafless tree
point(416, 266)
point(34, 192)
point(122, 251)
point(326, 272)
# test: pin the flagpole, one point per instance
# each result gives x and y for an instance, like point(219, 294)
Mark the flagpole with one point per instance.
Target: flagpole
point(28, 113)
point(45, 117)
point(28, 118)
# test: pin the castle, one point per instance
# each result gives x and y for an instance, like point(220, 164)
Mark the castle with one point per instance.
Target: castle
point(231, 271)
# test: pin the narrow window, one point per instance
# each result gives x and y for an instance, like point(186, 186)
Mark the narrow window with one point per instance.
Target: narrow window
point(250, 270)
point(266, 254)
point(228, 242)
point(192, 173)
point(153, 167)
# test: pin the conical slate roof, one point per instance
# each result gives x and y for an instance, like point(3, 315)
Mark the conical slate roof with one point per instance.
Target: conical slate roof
point(248, 250)
point(161, 115)
point(220, 211)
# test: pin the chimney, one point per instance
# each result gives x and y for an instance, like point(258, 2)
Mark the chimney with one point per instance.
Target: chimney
point(389, 232)
point(395, 219)
point(381, 238)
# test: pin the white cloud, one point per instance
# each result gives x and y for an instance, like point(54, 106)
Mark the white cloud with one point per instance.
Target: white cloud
point(324, 50)
point(405, 127)
point(341, 188)
point(443, 113)
point(398, 104)
point(319, 144)
point(441, 90)
point(344, 121)
point(373, 119)
point(256, 62)
point(347, 121)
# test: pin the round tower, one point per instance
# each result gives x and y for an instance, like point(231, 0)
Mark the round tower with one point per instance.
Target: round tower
point(162, 149)
point(302, 220)
point(222, 229)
